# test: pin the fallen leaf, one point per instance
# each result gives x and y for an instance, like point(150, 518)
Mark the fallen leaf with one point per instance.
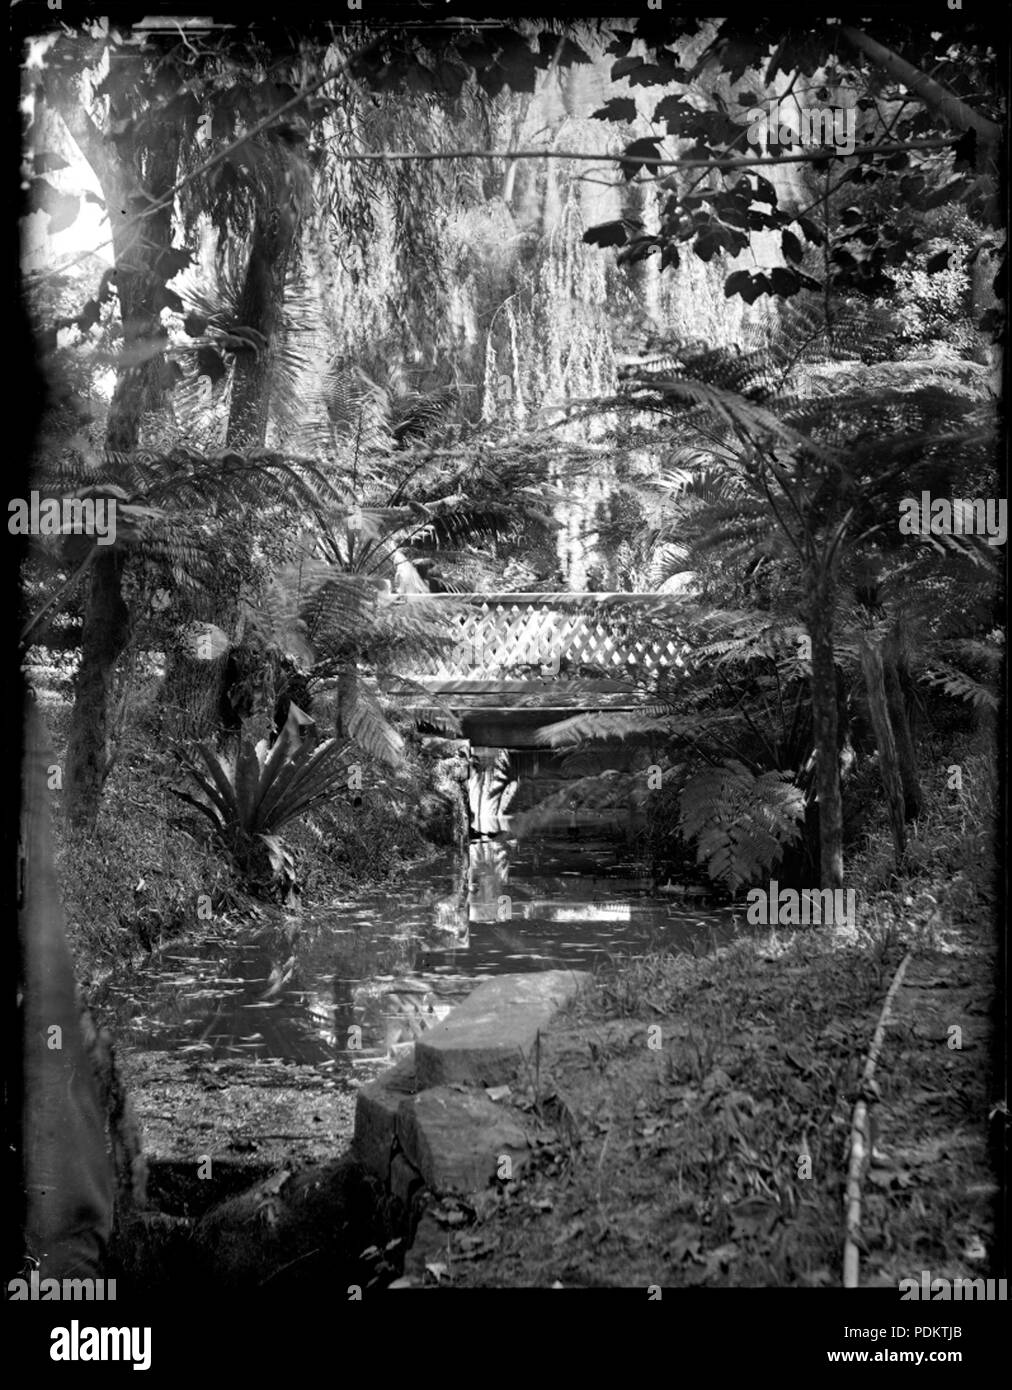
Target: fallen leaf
point(798, 1059)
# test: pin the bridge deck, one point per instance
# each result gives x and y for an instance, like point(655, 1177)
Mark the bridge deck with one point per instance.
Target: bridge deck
point(508, 694)
point(522, 661)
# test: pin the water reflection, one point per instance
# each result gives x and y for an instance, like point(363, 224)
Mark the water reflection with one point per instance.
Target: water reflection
point(357, 981)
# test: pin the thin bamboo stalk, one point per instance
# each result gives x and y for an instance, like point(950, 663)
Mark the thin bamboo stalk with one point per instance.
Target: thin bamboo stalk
point(860, 1139)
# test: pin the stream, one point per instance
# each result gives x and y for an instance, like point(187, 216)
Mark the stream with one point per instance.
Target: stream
point(355, 981)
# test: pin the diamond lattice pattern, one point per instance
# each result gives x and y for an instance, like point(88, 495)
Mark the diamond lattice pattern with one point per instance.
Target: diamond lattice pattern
point(497, 637)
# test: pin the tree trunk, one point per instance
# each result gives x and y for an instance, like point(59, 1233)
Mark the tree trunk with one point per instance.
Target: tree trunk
point(195, 688)
point(67, 1179)
point(261, 308)
point(825, 726)
point(913, 797)
point(139, 390)
point(878, 708)
point(347, 694)
point(104, 636)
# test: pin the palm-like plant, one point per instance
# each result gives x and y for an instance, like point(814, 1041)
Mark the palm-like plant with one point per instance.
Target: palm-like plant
point(330, 622)
point(249, 800)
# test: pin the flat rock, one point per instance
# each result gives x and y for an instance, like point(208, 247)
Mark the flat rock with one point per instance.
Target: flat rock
point(457, 1139)
point(376, 1115)
point(489, 1038)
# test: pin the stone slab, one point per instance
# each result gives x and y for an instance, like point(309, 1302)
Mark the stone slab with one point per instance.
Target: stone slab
point(456, 1139)
point(484, 1040)
point(376, 1116)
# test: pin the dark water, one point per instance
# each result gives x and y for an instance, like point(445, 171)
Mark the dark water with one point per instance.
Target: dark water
point(358, 980)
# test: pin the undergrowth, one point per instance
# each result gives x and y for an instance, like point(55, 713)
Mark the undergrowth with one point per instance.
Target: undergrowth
point(150, 870)
point(708, 1100)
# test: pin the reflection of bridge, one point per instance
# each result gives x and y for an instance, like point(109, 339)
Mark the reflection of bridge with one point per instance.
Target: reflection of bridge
point(522, 661)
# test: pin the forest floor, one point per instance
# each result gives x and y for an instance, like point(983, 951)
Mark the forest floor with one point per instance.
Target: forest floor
point(697, 1116)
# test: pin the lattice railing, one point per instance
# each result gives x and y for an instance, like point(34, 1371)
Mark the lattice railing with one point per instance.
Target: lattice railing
point(497, 634)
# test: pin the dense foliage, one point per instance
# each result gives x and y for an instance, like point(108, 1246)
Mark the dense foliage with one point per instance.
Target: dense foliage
point(328, 356)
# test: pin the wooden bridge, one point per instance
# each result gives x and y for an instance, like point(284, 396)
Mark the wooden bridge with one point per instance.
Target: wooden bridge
point(520, 661)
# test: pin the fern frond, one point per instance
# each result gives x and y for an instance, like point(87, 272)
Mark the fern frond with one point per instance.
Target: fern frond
point(741, 822)
point(371, 729)
point(961, 686)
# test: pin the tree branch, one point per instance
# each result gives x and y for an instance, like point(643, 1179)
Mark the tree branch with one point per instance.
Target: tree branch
point(932, 93)
point(655, 162)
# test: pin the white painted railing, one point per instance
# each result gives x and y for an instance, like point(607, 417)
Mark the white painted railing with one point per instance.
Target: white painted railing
point(497, 633)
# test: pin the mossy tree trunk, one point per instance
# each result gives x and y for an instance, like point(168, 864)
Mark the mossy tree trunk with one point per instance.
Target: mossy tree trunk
point(141, 272)
point(825, 723)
